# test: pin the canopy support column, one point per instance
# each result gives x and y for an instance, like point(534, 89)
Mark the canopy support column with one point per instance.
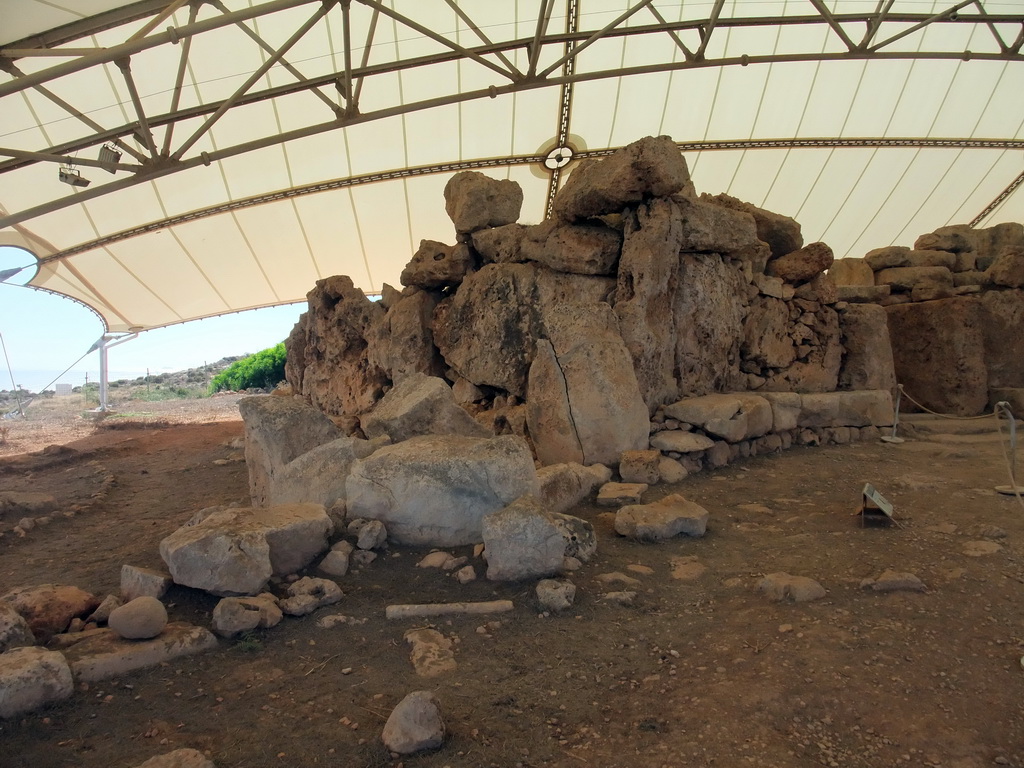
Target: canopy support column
point(104, 343)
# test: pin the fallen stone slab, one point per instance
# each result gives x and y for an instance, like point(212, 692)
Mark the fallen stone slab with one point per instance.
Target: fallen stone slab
point(733, 417)
point(415, 725)
point(49, 608)
point(420, 405)
point(798, 589)
point(31, 678)
point(674, 440)
point(179, 758)
point(672, 516)
point(617, 494)
point(105, 655)
point(431, 653)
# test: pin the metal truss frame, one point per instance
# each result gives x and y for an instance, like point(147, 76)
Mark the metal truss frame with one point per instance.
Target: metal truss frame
point(341, 91)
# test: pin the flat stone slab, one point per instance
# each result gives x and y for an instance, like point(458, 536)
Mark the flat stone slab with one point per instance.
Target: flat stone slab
point(665, 519)
point(798, 589)
point(104, 655)
point(617, 494)
point(680, 442)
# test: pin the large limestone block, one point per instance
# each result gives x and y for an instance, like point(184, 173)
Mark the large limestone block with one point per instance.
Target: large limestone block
point(402, 343)
point(436, 265)
point(986, 244)
point(548, 412)
point(1002, 323)
point(672, 516)
point(582, 249)
point(867, 353)
point(434, 490)
point(522, 541)
point(803, 264)
point(605, 410)
point(104, 655)
point(863, 293)
point(939, 352)
point(49, 608)
point(901, 256)
point(781, 233)
point(277, 431)
point(500, 245)
point(850, 272)
point(650, 167)
point(906, 278)
point(563, 486)
point(335, 374)
point(235, 551)
point(864, 408)
point(31, 678)
point(786, 407)
point(644, 297)
point(766, 339)
point(710, 228)
point(733, 417)
point(677, 441)
point(1008, 269)
point(488, 331)
point(318, 476)
point(474, 201)
point(708, 316)
point(420, 405)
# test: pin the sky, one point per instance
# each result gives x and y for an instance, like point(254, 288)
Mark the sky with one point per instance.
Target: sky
point(44, 333)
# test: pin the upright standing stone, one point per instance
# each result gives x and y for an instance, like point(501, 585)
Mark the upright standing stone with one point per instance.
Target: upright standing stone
point(867, 352)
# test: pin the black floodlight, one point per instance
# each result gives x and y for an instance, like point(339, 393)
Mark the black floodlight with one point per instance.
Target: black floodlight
point(108, 154)
point(69, 175)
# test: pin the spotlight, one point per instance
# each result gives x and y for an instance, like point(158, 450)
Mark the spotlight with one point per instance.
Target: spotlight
point(108, 154)
point(69, 175)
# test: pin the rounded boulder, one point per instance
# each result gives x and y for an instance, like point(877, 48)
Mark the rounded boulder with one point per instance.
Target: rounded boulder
point(139, 619)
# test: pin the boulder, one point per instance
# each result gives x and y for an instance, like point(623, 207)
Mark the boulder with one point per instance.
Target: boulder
point(14, 630)
point(277, 431)
point(436, 265)
point(803, 264)
point(563, 486)
point(235, 551)
point(373, 535)
point(420, 405)
point(907, 278)
point(644, 297)
point(522, 542)
point(583, 391)
point(939, 354)
point(581, 249)
point(139, 619)
point(434, 490)
point(786, 407)
point(851, 272)
point(1008, 269)
point(867, 354)
point(901, 256)
point(1002, 316)
point(31, 678)
point(402, 342)
point(500, 245)
point(318, 475)
point(488, 331)
point(179, 758)
point(49, 608)
point(105, 654)
point(617, 494)
point(781, 233)
point(143, 582)
point(415, 725)
point(331, 369)
point(710, 228)
point(660, 520)
point(733, 417)
point(650, 167)
point(474, 201)
point(232, 616)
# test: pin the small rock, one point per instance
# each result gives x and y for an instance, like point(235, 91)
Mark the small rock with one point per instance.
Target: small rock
point(570, 564)
point(335, 563)
point(895, 581)
point(308, 594)
point(617, 494)
point(139, 619)
point(415, 724)
point(232, 617)
point(143, 582)
point(555, 594)
point(431, 653)
point(373, 535)
point(466, 574)
point(436, 559)
point(102, 613)
point(620, 598)
point(799, 589)
point(362, 558)
point(617, 577)
point(14, 630)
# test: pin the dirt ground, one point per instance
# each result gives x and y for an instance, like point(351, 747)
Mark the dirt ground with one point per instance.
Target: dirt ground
point(703, 670)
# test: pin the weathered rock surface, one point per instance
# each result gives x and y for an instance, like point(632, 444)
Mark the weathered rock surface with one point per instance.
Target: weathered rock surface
point(235, 551)
point(104, 654)
point(318, 475)
point(640, 467)
point(563, 486)
point(415, 725)
point(420, 405)
point(660, 520)
point(1008, 269)
point(581, 249)
point(798, 589)
point(434, 490)
point(179, 758)
point(803, 264)
point(436, 265)
point(650, 167)
point(1002, 314)
point(139, 619)
point(852, 272)
point(681, 442)
point(277, 431)
point(143, 582)
point(522, 541)
point(909, 278)
point(474, 201)
point(31, 678)
point(710, 228)
point(583, 390)
point(309, 593)
point(862, 408)
point(867, 359)
point(49, 608)
point(232, 616)
point(781, 233)
point(733, 417)
point(901, 256)
point(938, 350)
point(402, 342)
point(431, 654)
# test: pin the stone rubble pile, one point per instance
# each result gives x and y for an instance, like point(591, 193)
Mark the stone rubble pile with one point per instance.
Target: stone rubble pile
point(954, 307)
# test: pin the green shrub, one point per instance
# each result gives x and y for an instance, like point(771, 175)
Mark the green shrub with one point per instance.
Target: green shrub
point(264, 370)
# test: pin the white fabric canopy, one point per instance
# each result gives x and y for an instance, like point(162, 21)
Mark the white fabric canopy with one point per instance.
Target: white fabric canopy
point(266, 145)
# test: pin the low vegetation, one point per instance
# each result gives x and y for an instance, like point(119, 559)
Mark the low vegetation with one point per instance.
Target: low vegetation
point(263, 370)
